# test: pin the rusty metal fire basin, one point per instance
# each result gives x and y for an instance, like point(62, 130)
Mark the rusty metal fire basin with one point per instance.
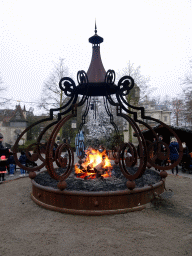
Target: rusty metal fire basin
point(95, 203)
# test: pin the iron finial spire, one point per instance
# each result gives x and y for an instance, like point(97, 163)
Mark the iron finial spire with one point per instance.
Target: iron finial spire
point(95, 27)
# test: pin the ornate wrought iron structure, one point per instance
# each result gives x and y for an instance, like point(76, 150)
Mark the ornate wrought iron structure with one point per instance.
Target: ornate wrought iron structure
point(97, 82)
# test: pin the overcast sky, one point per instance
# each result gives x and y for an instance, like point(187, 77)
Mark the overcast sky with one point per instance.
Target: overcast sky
point(155, 35)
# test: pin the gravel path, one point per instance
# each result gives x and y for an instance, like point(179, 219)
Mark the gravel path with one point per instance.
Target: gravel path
point(27, 229)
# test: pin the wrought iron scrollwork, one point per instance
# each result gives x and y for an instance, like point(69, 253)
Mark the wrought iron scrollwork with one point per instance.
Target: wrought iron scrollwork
point(82, 77)
point(125, 84)
point(60, 162)
point(67, 85)
point(124, 153)
point(110, 77)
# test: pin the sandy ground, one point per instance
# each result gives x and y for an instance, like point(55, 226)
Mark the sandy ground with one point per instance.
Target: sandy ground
point(27, 229)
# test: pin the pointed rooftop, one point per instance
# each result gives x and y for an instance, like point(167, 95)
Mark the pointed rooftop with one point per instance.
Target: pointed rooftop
point(96, 72)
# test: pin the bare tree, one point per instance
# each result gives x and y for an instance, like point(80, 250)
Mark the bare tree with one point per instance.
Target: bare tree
point(177, 108)
point(141, 89)
point(140, 80)
point(188, 78)
point(187, 95)
point(3, 100)
point(187, 100)
point(52, 95)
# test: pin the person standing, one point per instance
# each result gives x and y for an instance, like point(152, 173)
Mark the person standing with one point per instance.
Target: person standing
point(11, 163)
point(186, 158)
point(3, 167)
point(2, 160)
point(22, 160)
point(1, 140)
point(174, 153)
point(154, 146)
point(160, 148)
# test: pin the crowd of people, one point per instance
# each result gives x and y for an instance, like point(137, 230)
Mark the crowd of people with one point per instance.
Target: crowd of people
point(8, 165)
point(186, 161)
point(7, 162)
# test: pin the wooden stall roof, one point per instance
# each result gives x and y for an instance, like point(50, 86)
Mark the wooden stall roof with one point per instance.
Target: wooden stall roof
point(183, 133)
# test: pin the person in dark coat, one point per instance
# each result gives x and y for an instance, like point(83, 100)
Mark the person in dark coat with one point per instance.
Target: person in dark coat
point(161, 149)
point(30, 163)
point(3, 167)
point(186, 158)
point(11, 164)
point(1, 140)
point(3, 163)
point(154, 146)
point(22, 160)
point(174, 153)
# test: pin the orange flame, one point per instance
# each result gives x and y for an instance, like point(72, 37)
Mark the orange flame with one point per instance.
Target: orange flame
point(94, 160)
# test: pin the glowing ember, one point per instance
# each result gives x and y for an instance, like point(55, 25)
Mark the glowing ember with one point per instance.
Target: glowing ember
point(96, 165)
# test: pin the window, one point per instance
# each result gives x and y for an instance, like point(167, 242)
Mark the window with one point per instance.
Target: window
point(165, 118)
point(18, 116)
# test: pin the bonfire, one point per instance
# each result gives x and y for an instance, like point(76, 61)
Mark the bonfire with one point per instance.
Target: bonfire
point(95, 165)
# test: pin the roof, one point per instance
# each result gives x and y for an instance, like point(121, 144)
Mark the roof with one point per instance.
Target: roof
point(10, 115)
point(95, 39)
point(183, 133)
point(96, 72)
point(18, 115)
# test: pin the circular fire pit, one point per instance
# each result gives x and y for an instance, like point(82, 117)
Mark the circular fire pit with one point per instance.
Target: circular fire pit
point(98, 201)
point(109, 193)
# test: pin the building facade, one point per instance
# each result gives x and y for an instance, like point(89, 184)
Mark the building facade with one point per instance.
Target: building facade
point(12, 124)
point(160, 112)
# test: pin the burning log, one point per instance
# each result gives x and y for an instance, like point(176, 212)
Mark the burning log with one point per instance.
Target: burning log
point(90, 167)
point(99, 167)
point(96, 165)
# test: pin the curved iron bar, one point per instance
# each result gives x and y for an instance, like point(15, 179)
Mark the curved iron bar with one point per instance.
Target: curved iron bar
point(46, 128)
point(125, 84)
point(67, 85)
point(50, 118)
point(143, 151)
point(135, 116)
point(159, 154)
point(49, 151)
point(40, 137)
point(110, 115)
point(15, 147)
point(129, 161)
point(136, 108)
point(59, 159)
point(110, 77)
point(81, 103)
point(88, 99)
point(82, 77)
point(142, 144)
point(119, 106)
